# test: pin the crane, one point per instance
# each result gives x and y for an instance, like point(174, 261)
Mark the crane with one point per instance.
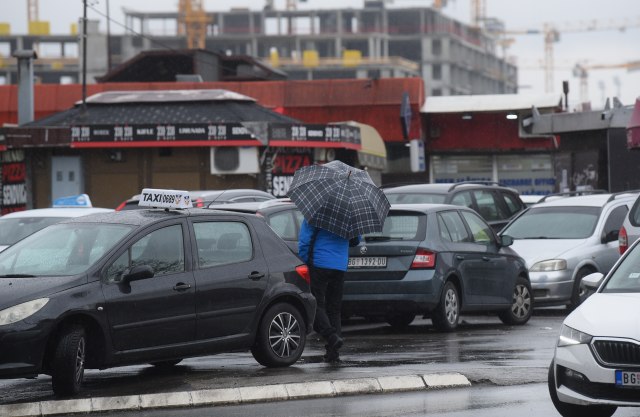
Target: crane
point(551, 33)
point(581, 70)
point(193, 21)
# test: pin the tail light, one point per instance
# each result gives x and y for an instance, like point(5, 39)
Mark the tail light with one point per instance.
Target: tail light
point(303, 271)
point(198, 203)
point(623, 240)
point(121, 205)
point(423, 259)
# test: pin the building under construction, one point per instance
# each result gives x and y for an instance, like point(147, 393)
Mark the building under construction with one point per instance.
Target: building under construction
point(374, 42)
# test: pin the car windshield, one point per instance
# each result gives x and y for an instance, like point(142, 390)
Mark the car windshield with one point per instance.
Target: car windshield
point(554, 223)
point(416, 198)
point(626, 278)
point(62, 249)
point(17, 228)
point(399, 227)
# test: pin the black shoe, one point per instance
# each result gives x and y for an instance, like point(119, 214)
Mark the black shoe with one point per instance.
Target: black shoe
point(335, 342)
point(332, 356)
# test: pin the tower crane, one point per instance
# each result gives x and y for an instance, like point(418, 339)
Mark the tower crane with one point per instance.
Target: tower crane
point(551, 33)
point(581, 70)
point(193, 21)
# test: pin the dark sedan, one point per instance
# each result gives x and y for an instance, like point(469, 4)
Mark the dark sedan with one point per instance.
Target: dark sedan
point(439, 261)
point(149, 286)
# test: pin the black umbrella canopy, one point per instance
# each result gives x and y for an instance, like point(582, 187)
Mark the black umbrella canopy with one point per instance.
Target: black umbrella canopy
point(339, 198)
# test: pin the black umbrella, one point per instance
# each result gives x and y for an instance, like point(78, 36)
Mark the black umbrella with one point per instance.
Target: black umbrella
point(339, 198)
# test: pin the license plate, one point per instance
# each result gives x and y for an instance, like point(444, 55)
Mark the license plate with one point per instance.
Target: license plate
point(368, 262)
point(627, 379)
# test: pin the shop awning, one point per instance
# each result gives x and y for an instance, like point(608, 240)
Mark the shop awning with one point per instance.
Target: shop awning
point(373, 152)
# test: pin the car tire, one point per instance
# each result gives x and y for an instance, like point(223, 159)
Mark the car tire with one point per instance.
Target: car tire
point(575, 410)
point(577, 297)
point(445, 316)
point(67, 366)
point(400, 320)
point(281, 336)
point(522, 306)
point(166, 364)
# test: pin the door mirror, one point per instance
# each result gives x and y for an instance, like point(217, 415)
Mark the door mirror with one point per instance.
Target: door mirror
point(610, 237)
point(593, 281)
point(137, 273)
point(505, 240)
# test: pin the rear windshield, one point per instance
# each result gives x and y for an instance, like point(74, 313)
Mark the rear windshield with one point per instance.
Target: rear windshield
point(401, 226)
point(554, 223)
point(417, 198)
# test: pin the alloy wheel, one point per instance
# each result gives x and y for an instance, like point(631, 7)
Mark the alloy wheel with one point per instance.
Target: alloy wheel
point(284, 334)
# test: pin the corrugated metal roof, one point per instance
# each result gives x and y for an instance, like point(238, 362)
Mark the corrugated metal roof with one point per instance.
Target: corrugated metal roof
point(489, 102)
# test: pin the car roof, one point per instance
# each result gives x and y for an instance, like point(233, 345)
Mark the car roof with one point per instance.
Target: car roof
point(592, 200)
point(145, 216)
point(211, 194)
point(252, 206)
point(426, 208)
point(57, 212)
point(442, 188)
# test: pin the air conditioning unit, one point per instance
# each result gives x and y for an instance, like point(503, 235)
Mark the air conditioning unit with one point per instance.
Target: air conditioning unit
point(234, 160)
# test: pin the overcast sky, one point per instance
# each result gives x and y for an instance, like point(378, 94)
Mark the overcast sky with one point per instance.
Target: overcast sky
point(612, 47)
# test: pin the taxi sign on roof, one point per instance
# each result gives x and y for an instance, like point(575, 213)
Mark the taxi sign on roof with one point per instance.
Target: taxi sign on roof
point(80, 200)
point(175, 199)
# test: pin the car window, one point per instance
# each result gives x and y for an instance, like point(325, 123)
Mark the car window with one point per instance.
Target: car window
point(634, 215)
point(480, 230)
point(626, 278)
point(560, 222)
point(614, 221)
point(488, 207)
point(162, 250)
point(61, 249)
point(400, 226)
point(462, 199)
point(222, 242)
point(14, 229)
point(416, 198)
point(512, 203)
point(452, 227)
point(284, 224)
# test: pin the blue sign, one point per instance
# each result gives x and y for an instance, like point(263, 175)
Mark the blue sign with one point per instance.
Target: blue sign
point(80, 200)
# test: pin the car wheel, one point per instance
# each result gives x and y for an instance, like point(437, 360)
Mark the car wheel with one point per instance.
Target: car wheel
point(445, 316)
point(579, 294)
point(166, 364)
point(281, 336)
point(522, 305)
point(400, 320)
point(67, 366)
point(575, 410)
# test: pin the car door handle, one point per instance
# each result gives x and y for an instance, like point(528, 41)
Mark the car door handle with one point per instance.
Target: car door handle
point(459, 257)
point(255, 276)
point(181, 286)
point(486, 258)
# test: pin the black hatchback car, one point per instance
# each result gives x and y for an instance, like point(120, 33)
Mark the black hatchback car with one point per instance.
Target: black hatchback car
point(149, 286)
point(496, 204)
point(437, 261)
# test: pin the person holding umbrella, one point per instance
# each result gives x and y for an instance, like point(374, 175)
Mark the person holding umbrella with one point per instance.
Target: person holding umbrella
point(339, 203)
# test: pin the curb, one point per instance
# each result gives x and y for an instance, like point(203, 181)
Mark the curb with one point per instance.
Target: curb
point(242, 395)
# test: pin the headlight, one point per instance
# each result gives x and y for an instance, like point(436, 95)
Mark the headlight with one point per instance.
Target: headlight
point(21, 311)
point(570, 336)
point(549, 265)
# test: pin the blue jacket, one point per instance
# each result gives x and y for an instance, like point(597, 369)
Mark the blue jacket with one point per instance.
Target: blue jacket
point(330, 250)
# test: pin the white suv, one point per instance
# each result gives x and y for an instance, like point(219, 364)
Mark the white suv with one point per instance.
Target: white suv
point(630, 230)
point(565, 239)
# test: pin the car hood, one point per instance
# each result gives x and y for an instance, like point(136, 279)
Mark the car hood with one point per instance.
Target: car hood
point(612, 315)
point(536, 250)
point(14, 291)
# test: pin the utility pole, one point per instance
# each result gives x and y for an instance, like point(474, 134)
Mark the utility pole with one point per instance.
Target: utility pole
point(84, 56)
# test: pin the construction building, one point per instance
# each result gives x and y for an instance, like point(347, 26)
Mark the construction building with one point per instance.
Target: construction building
point(374, 42)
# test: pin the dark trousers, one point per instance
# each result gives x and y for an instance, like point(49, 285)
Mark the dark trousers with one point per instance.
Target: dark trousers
point(326, 287)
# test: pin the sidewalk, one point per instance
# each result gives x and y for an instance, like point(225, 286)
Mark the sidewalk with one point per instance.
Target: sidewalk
point(240, 395)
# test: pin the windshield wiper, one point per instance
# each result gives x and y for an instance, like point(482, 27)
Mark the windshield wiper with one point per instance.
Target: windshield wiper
point(380, 238)
point(17, 276)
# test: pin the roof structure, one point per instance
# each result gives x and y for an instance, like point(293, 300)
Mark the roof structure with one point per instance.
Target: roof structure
point(489, 103)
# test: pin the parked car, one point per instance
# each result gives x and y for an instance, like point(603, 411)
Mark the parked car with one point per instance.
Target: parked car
point(149, 286)
point(281, 214)
point(565, 239)
point(496, 204)
point(530, 199)
point(630, 229)
point(20, 224)
point(439, 261)
point(597, 357)
point(203, 198)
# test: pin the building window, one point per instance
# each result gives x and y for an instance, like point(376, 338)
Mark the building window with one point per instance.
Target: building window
point(437, 72)
point(436, 92)
point(436, 47)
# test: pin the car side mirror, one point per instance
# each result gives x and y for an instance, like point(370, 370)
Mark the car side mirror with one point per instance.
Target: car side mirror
point(593, 281)
point(611, 236)
point(137, 273)
point(505, 240)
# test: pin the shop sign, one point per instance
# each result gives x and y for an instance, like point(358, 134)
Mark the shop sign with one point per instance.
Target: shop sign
point(14, 176)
